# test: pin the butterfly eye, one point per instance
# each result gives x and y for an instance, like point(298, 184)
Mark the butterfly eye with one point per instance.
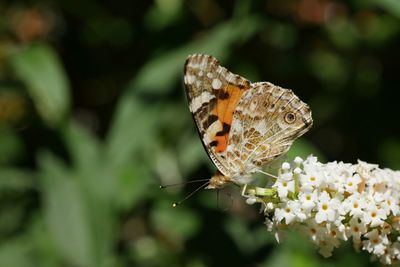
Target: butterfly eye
point(290, 117)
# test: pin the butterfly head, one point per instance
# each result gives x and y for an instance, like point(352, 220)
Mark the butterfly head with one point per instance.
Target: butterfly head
point(218, 181)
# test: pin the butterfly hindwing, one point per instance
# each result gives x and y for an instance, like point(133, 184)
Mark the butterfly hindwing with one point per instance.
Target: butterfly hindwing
point(267, 120)
point(213, 94)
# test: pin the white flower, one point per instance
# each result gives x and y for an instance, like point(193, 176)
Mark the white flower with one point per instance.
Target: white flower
point(298, 161)
point(378, 195)
point(327, 208)
point(385, 228)
point(387, 257)
point(289, 211)
point(312, 162)
point(356, 228)
point(336, 183)
point(314, 231)
point(365, 169)
point(285, 167)
point(267, 207)
point(373, 215)
point(331, 202)
point(327, 246)
point(336, 175)
point(313, 178)
point(308, 199)
point(284, 187)
point(390, 205)
point(376, 180)
point(286, 177)
point(352, 182)
point(396, 249)
point(376, 243)
point(337, 231)
point(353, 205)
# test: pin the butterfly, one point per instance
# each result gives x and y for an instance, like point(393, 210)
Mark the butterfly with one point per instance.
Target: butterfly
point(243, 126)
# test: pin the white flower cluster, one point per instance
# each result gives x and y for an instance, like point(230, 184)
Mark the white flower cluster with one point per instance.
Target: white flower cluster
point(335, 202)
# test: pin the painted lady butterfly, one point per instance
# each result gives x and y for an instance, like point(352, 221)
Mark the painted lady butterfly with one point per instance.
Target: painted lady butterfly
point(243, 125)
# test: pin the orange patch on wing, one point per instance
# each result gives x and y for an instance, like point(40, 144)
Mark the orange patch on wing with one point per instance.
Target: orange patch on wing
point(222, 143)
point(224, 111)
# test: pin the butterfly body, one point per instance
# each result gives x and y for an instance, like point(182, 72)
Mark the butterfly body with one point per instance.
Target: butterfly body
point(243, 126)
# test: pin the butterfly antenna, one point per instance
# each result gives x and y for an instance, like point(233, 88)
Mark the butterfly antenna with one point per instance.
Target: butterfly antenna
point(183, 183)
point(191, 194)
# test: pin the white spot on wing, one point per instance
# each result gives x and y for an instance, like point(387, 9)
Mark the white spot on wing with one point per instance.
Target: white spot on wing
point(189, 79)
point(198, 101)
point(216, 84)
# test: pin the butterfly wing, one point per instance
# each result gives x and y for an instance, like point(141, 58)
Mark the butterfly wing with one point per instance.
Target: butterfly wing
point(265, 123)
point(213, 94)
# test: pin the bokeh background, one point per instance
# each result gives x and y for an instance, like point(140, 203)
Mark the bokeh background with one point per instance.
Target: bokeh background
point(93, 119)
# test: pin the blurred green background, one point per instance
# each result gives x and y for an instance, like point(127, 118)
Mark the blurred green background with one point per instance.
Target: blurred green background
point(93, 118)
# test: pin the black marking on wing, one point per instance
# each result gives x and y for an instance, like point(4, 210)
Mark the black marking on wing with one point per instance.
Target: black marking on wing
point(225, 129)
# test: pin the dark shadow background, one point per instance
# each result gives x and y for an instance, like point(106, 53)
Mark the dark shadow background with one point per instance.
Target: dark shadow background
point(93, 118)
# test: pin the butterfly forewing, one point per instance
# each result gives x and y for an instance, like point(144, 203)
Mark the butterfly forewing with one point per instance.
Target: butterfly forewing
point(213, 94)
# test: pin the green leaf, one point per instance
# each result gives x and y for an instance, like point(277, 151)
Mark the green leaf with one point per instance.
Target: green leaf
point(15, 253)
point(85, 148)
point(40, 69)
point(133, 184)
point(133, 131)
point(89, 162)
point(107, 178)
point(129, 151)
point(391, 6)
point(66, 213)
